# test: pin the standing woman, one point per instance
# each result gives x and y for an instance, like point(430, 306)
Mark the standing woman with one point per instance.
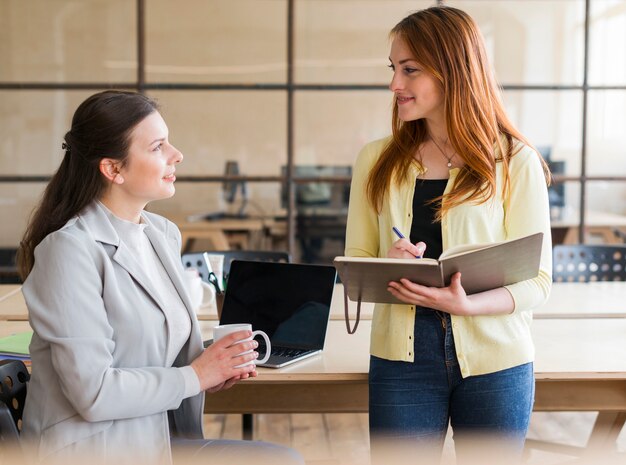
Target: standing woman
point(117, 356)
point(455, 171)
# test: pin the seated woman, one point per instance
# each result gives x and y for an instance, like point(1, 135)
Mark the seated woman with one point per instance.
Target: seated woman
point(118, 366)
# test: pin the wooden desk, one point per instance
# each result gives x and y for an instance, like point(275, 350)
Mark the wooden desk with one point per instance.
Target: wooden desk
point(597, 223)
point(12, 304)
point(246, 233)
point(567, 300)
point(6, 290)
point(580, 366)
point(12, 327)
point(578, 300)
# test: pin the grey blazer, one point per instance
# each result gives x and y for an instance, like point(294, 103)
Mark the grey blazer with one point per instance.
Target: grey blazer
point(99, 385)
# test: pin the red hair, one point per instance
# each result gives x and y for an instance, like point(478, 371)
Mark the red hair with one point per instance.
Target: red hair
point(447, 43)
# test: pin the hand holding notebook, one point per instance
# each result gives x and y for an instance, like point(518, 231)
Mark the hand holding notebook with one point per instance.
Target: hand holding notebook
point(484, 267)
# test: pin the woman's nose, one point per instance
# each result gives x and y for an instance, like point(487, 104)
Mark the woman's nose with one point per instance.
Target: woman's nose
point(178, 155)
point(396, 83)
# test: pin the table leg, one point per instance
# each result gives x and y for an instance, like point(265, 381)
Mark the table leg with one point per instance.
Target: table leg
point(247, 424)
point(605, 431)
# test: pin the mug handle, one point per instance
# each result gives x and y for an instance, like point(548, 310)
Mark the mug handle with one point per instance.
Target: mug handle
point(268, 344)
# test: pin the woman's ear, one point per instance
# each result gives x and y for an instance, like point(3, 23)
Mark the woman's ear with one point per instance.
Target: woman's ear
point(110, 169)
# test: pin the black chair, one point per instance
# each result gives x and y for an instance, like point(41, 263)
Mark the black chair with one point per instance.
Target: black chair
point(251, 255)
point(8, 266)
point(585, 263)
point(197, 260)
point(13, 379)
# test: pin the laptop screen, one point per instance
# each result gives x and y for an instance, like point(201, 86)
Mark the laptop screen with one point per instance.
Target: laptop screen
point(289, 301)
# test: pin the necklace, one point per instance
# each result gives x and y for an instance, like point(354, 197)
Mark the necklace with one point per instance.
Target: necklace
point(449, 158)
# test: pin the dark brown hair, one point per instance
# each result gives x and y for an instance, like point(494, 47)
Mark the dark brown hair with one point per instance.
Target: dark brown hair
point(449, 46)
point(101, 128)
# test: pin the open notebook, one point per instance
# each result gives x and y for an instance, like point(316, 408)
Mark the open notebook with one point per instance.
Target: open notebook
point(483, 267)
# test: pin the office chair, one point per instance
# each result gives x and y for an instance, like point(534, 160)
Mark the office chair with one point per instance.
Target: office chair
point(13, 379)
point(620, 234)
point(585, 263)
point(197, 260)
point(251, 255)
point(8, 266)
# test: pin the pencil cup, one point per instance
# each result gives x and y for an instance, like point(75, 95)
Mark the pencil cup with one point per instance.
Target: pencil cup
point(220, 331)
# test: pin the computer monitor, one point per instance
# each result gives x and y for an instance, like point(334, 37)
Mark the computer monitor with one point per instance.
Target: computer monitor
point(556, 192)
point(332, 195)
point(230, 189)
point(321, 211)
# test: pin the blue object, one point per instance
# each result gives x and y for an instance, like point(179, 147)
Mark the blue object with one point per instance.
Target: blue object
point(401, 236)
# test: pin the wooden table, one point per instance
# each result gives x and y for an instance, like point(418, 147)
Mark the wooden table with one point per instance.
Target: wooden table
point(580, 366)
point(246, 233)
point(597, 223)
point(6, 290)
point(567, 300)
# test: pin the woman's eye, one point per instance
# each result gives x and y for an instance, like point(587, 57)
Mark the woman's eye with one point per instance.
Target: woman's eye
point(410, 70)
point(157, 148)
point(392, 67)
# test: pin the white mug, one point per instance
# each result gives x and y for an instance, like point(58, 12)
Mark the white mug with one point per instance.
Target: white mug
point(220, 331)
point(200, 293)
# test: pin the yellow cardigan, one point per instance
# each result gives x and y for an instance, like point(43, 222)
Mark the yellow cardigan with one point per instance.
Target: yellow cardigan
point(484, 344)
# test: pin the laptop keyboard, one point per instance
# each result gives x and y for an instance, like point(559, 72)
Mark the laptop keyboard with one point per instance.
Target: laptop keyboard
point(285, 351)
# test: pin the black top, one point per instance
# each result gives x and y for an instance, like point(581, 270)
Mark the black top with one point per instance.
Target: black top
point(424, 228)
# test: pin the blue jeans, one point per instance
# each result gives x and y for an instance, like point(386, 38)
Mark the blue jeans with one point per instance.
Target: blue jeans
point(414, 402)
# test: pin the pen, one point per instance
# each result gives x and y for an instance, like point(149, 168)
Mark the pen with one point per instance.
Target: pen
point(401, 236)
point(398, 233)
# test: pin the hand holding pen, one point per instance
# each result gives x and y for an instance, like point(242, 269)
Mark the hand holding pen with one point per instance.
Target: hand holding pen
point(403, 247)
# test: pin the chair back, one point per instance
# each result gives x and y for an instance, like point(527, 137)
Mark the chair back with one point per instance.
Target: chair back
point(585, 263)
point(8, 266)
point(252, 255)
point(13, 379)
point(197, 260)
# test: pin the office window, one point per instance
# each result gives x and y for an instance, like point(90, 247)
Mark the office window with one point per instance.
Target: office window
point(605, 133)
point(332, 127)
point(551, 120)
point(212, 127)
point(220, 69)
point(223, 41)
point(32, 126)
point(346, 42)
point(607, 36)
point(531, 42)
point(17, 201)
point(68, 41)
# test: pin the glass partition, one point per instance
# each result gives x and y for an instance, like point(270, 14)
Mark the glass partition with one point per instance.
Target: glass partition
point(68, 41)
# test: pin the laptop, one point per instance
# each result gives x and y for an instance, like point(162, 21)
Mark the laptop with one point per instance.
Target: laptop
point(289, 301)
